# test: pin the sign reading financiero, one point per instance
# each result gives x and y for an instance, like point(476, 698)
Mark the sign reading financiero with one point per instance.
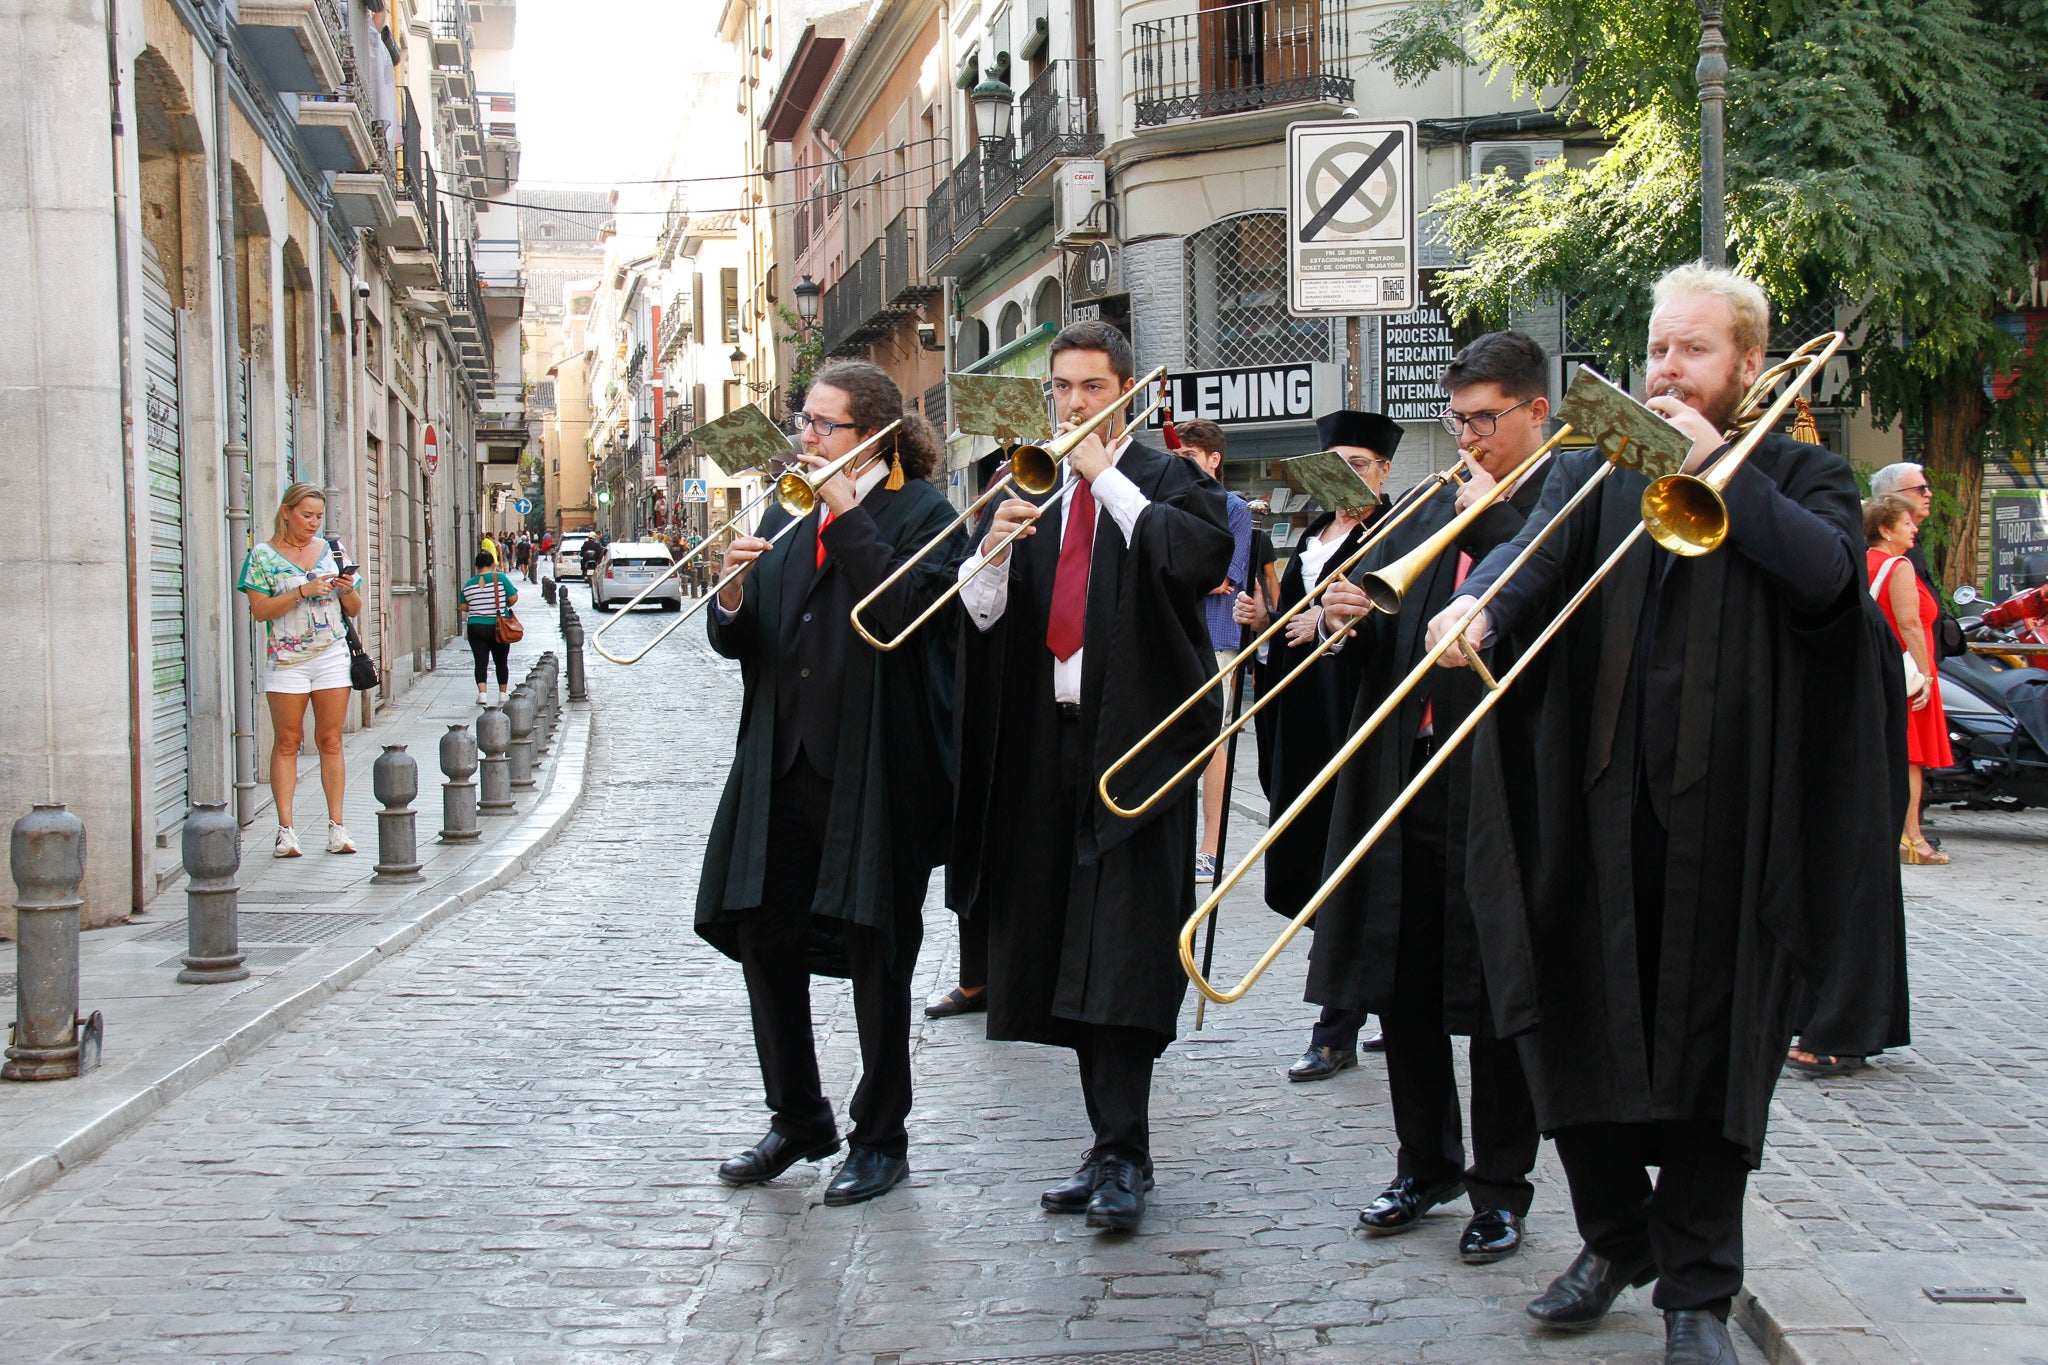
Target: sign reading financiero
point(1257, 393)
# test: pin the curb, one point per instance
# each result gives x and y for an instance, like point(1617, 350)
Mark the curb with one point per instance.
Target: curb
point(78, 1131)
point(1796, 1312)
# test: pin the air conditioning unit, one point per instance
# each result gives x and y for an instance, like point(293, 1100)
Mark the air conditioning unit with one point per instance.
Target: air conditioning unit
point(1518, 159)
point(1077, 189)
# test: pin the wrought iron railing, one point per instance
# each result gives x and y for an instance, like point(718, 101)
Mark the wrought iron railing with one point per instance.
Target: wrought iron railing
point(907, 283)
point(935, 406)
point(451, 23)
point(1056, 117)
point(675, 323)
point(1258, 54)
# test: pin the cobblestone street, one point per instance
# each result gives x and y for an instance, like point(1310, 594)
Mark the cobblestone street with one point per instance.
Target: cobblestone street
point(499, 1147)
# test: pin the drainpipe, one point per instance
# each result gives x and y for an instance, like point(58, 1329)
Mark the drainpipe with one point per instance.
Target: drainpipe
point(234, 455)
point(138, 672)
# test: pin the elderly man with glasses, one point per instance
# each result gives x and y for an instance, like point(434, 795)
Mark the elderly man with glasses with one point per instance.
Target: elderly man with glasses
point(1909, 481)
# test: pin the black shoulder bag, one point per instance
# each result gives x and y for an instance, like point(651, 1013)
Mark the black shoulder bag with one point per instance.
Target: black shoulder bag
point(362, 669)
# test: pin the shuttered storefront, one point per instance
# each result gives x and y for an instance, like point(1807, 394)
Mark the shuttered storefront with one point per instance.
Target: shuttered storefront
point(170, 715)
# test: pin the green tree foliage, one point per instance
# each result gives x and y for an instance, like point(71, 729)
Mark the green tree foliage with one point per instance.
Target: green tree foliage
point(1889, 153)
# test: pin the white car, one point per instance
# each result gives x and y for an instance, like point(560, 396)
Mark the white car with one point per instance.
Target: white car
point(569, 556)
point(626, 568)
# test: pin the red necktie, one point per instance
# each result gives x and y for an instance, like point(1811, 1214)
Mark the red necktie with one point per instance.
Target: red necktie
point(824, 520)
point(1457, 581)
point(1070, 582)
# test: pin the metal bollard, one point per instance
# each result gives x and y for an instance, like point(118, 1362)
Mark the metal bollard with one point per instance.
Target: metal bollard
point(537, 684)
point(544, 693)
point(572, 639)
point(547, 590)
point(48, 855)
point(563, 610)
point(395, 777)
point(493, 736)
point(519, 710)
point(458, 793)
point(212, 845)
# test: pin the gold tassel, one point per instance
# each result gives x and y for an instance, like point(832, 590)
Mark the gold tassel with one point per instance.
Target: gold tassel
point(1803, 426)
point(895, 480)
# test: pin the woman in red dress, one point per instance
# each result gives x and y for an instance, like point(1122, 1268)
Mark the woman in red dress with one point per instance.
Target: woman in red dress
point(1890, 530)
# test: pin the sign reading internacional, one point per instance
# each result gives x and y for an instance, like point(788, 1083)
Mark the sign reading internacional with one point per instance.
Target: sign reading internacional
point(1350, 218)
point(1414, 349)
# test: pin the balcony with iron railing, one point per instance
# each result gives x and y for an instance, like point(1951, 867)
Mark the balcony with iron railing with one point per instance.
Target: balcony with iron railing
point(676, 425)
point(451, 34)
point(1056, 118)
point(886, 285)
point(907, 284)
point(675, 324)
point(1241, 58)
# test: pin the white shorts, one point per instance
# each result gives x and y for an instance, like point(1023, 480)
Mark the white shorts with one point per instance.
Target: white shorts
point(325, 670)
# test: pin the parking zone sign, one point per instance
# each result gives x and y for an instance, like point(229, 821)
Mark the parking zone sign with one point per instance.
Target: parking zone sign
point(1350, 218)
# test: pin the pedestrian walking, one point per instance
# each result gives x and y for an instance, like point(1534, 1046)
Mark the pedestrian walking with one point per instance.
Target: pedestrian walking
point(1204, 443)
point(490, 547)
point(487, 597)
point(1891, 530)
point(302, 590)
point(835, 807)
point(522, 557)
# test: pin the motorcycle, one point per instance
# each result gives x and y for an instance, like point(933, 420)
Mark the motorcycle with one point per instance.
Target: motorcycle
point(1996, 700)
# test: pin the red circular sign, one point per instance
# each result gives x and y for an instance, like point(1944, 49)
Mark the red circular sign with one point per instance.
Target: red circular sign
point(431, 445)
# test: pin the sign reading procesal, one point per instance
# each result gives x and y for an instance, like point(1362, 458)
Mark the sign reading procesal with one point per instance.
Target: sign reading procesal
point(1350, 218)
point(1258, 393)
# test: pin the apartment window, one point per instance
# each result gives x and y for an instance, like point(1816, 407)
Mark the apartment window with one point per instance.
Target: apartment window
point(1237, 297)
point(729, 292)
point(732, 395)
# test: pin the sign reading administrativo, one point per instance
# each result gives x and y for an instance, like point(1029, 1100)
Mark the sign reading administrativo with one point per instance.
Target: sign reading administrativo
point(1350, 217)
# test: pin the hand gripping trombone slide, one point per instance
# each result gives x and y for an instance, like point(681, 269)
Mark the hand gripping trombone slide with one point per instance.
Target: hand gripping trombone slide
point(1409, 502)
point(795, 489)
point(1683, 513)
point(1033, 468)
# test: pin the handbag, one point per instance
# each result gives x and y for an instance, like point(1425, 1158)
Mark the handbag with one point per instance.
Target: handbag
point(362, 669)
point(510, 632)
point(1915, 679)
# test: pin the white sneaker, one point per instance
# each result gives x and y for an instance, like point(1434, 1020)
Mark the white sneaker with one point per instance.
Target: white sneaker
point(338, 840)
point(287, 843)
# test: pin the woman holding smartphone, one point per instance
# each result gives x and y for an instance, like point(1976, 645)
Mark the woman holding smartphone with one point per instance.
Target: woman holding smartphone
point(302, 590)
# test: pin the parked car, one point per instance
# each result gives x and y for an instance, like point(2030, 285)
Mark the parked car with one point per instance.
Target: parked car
point(569, 556)
point(626, 568)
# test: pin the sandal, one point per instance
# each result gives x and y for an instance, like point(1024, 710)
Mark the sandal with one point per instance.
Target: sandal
point(1921, 854)
point(1820, 1064)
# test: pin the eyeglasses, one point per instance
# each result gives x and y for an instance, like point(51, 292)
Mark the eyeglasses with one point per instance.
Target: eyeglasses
point(1916, 488)
point(1480, 423)
point(1364, 462)
point(819, 425)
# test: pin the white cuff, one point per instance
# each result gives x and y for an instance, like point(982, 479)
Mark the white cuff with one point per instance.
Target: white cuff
point(1116, 494)
point(985, 592)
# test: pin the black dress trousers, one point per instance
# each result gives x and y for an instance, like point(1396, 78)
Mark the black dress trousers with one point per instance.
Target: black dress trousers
point(1420, 1077)
point(771, 947)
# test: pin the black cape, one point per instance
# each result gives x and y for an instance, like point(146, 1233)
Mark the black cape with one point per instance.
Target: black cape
point(1781, 865)
point(1357, 946)
point(891, 807)
point(1110, 958)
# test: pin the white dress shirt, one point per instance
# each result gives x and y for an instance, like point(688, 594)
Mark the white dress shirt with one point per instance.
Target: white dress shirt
point(869, 480)
point(985, 595)
point(1315, 554)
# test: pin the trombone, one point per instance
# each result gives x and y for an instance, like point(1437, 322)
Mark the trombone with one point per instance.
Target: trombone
point(1033, 468)
point(1684, 513)
point(797, 492)
point(1407, 505)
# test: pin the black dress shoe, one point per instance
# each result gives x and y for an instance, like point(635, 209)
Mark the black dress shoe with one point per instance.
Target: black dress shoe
point(1491, 1235)
point(1375, 1043)
point(1587, 1289)
point(1320, 1062)
point(1402, 1204)
point(770, 1157)
point(958, 1001)
point(1119, 1199)
point(865, 1174)
point(1072, 1194)
point(1696, 1336)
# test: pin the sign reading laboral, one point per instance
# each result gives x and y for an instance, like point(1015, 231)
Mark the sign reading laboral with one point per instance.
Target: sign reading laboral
point(1350, 218)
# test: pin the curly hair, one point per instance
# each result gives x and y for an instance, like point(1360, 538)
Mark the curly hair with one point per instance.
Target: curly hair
point(874, 401)
point(1883, 512)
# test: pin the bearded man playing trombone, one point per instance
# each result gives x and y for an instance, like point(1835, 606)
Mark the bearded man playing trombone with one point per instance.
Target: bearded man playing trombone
point(1705, 818)
point(1398, 937)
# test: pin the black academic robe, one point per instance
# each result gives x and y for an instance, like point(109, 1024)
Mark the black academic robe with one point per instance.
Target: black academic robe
point(1359, 929)
point(1300, 729)
point(1112, 958)
point(1738, 694)
point(891, 806)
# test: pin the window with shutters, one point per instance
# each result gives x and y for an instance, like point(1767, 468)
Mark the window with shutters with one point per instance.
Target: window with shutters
point(729, 295)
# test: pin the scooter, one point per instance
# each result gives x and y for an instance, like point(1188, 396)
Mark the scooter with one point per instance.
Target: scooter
point(1996, 700)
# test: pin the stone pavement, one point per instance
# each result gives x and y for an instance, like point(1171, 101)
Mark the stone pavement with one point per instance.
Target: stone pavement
point(499, 1147)
point(309, 926)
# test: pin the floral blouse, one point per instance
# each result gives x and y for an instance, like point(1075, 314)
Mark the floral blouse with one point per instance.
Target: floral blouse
point(308, 627)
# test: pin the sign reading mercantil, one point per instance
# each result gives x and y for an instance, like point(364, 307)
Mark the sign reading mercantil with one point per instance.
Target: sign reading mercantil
point(1350, 218)
point(1257, 393)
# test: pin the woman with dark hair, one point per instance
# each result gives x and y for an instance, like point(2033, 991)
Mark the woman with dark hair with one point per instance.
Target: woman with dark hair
point(839, 800)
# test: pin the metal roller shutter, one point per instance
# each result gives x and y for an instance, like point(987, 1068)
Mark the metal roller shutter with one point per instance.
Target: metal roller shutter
point(170, 713)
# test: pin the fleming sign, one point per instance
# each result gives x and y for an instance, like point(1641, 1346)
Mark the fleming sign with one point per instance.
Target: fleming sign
point(1258, 393)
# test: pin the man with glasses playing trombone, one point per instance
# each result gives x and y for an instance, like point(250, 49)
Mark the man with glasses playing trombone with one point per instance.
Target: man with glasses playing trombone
point(1398, 937)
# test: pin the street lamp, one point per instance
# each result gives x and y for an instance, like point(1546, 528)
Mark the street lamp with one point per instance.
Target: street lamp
point(992, 108)
point(739, 363)
point(1712, 77)
point(807, 292)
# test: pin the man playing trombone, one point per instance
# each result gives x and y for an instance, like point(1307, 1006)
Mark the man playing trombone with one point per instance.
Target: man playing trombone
point(1398, 936)
point(837, 804)
point(1705, 818)
point(1080, 636)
